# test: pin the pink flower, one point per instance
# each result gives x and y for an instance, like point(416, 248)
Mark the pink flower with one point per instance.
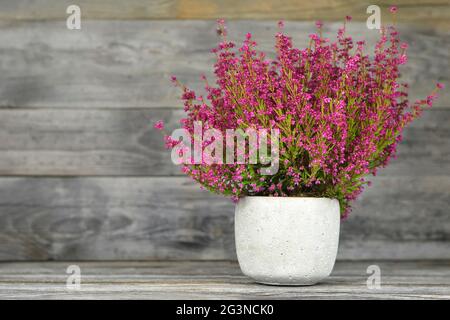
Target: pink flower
point(393, 9)
point(319, 24)
point(440, 85)
point(335, 125)
point(221, 27)
point(403, 59)
point(159, 125)
point(348, 18)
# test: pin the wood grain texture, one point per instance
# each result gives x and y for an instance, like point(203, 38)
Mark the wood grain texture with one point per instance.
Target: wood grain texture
point(85, 142)
point(170, 218)
point(117, 142)
point(121, 64)
point(434, 12)
point(130, 218)
point(81, 103)
point(218, 280)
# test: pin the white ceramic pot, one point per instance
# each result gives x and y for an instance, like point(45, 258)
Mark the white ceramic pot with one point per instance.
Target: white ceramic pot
point(287, 240)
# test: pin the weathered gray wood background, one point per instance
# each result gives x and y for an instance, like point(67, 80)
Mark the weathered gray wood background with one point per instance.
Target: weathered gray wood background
point(83, 176)
point(217, 280)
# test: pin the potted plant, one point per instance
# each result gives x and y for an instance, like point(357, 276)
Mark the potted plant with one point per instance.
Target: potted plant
point(319, 120)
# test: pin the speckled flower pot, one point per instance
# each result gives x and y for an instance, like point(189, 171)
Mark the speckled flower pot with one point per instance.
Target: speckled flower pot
point(287, 240)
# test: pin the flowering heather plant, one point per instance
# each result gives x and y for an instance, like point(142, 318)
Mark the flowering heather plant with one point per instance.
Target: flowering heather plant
point(340, 114)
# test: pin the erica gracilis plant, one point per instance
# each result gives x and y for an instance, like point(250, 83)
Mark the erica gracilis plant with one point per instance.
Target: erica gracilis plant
point(340, 113)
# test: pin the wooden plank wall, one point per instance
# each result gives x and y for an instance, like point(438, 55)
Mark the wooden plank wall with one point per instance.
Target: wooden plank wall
point(83, 175)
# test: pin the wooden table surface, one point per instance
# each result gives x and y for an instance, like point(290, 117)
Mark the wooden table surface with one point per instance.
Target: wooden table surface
point(216, 280)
